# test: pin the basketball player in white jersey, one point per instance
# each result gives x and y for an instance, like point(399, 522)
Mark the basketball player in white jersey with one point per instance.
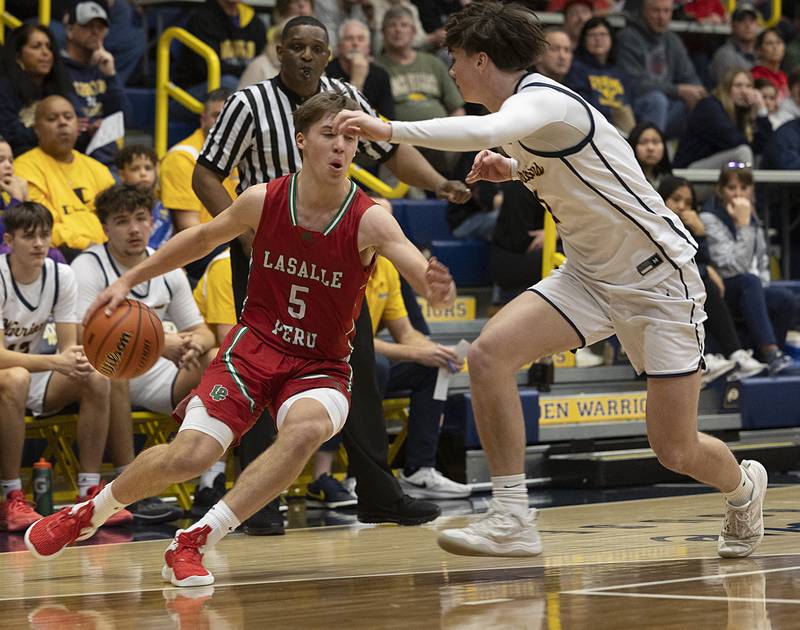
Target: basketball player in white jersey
point(32, 289)
point(125, 215)
point(629, 272)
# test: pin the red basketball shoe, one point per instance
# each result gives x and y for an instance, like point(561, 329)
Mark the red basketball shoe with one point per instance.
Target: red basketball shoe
point(17, 514)
point(48, 536)
point(183, 560)
point(123, 517)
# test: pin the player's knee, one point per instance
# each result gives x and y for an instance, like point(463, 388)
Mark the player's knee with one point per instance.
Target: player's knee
point(97, 385)
point(482, 358)
point(187, 458)
point(307, 432)
point(674, 456)
point(15, 383)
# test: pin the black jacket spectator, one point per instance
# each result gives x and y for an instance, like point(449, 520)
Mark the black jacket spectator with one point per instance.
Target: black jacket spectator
point(21, 88)
point(783, 149)
point(237, 40)
point(377, 87)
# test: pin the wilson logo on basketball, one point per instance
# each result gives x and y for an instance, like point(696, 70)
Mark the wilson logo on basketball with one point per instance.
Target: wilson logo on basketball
point(110, 363)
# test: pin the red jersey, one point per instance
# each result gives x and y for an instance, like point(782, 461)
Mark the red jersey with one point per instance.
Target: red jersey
point(305, 288)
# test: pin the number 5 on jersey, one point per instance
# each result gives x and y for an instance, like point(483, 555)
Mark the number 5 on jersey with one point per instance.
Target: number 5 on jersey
point(297, 306)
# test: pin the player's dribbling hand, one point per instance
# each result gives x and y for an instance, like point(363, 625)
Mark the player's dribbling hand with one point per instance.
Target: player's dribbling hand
point(109, 299)
point(453, 191)
point(441, 288)
point(489, 166)
point(359, 123)
point(73, 363)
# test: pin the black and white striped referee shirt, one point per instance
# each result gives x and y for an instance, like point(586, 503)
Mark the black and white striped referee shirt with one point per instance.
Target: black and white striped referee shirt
point(255, 132)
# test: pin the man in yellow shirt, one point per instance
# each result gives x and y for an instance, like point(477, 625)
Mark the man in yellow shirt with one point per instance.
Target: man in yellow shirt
point(62, 179)
point(178, 165)
point(412, 362)
point(214, 296)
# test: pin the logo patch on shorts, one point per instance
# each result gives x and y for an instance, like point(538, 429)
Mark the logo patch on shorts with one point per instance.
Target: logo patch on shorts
point(218, 393)
point(648, 265)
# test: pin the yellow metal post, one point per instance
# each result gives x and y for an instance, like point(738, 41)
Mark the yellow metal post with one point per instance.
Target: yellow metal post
point(165, 89)
point(775, 13)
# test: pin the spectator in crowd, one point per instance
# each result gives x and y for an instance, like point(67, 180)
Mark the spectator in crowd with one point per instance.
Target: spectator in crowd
point(737, 246)
point(706, 11)
point(730, 125)
point(126, 39)
point(411, 362)
point(235, 33)
point(739, 51)
point(432, 15)
point(45, 384)
point(177, 166)
point(595, 76)
point(62, 179)
point(124, 212)
point(477, 217)
point(13, 191)
point(332, 13)
point(769, 53)
point(376, 10)
point(555, 62)
point(733, 359)
point(137, 166)
point(352, 64)
point(33, 70)
point(576, 14)
point(421, 85)
point(789, 108)
point(664, 80)
point(783, 149)
point(791, 58)
point(97, 90)
point(651, 152)
point(770, 95)
point(266, 65)
point(257, 125)
point(515, 259)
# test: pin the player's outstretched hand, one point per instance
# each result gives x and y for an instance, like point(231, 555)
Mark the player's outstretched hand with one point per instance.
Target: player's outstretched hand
point(453, 191)
point(359, 123)
point(73, 363)
point(489, 166)
point(109, 299)
point(441, 288)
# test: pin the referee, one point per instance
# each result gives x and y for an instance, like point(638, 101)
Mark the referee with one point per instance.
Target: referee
point(255, 133)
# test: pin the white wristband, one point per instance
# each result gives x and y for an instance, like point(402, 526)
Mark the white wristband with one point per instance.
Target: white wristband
point(514, 170)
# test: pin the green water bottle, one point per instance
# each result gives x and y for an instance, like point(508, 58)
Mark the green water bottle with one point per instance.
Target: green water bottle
point(43, 487)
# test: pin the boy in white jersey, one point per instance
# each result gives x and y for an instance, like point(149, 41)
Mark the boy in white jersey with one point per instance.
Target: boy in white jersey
point(32, 288)
point(124, 212)
point(629, 271)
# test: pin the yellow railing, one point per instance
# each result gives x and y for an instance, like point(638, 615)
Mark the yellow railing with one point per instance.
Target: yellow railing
point(774, 17)
point(165, 89)
point(376, 185)
point(6, 19)
point(550, 257)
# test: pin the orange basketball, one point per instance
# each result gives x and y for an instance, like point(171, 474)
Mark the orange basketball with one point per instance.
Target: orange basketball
point(125, 344)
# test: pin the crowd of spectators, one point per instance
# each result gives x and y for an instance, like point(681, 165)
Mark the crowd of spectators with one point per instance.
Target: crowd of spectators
point(733, 108)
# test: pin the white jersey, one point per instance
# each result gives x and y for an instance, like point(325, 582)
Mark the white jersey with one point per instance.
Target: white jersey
point(614, 227)
point(26, 308)
point(169, 295)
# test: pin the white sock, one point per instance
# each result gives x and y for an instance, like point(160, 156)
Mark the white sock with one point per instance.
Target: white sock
point(105, 505)
point(511, 492)
point(743, 492)
point(207, 478)
point(86, 481)
point(220, 519)
point(9, 485)
point(118, 470)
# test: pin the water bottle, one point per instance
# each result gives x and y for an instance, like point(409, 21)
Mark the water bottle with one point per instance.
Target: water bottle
point(43, 487)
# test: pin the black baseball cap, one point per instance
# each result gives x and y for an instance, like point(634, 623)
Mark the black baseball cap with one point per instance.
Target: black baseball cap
point(743, 10)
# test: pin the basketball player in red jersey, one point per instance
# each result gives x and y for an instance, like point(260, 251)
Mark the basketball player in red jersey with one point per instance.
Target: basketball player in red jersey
point(316, 237)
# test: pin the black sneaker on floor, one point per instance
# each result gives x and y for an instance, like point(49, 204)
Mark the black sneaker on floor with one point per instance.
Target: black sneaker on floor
point(153, 510)
point(404, 511)
point(206, 498)
point(328, 492)
point(268, 521)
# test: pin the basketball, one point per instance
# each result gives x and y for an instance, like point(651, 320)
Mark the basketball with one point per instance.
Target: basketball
point(127, 343)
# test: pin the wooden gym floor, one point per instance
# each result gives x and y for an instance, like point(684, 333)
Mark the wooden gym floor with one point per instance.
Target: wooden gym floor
point(634, 564)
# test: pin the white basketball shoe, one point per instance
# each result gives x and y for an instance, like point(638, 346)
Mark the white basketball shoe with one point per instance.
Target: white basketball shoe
point(743, 527)
point(496, 533)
